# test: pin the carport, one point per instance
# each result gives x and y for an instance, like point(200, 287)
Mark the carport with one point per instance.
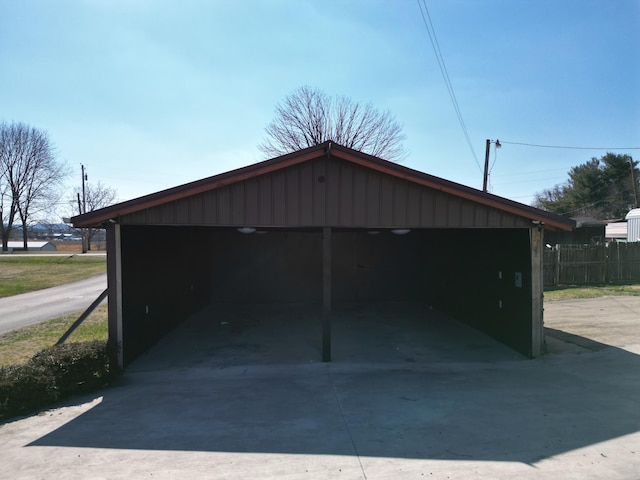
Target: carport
point(324, 226)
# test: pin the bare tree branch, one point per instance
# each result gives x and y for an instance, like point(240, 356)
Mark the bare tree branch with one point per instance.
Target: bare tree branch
point(30, 175)
point(309, 117)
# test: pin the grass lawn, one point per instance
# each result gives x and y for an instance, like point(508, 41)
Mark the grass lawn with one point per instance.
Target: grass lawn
point(20, 345)
point(25, 274)
point(569, 293)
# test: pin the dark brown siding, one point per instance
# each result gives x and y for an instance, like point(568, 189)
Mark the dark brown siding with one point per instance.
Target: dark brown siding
point(326, 192)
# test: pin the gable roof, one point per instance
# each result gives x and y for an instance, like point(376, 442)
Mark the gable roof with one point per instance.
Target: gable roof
point(329, 150)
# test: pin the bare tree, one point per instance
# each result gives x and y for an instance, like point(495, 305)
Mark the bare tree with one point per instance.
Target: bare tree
point(8, 207)
point(96, 196)
point(309, 117)
point(31, 175)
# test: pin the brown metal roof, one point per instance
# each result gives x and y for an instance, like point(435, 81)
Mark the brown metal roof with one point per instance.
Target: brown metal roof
point(331, 150)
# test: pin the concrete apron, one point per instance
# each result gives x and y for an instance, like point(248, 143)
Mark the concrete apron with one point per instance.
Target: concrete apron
point(433, 399)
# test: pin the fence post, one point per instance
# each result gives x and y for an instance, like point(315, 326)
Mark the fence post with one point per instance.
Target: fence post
point(557, 266)
point(606, 263)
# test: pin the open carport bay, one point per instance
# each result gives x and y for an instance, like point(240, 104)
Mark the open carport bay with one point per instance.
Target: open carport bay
point(400, 333)
point(471, 275)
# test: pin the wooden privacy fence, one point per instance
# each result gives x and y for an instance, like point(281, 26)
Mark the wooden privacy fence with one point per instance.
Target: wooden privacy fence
point(591, 264)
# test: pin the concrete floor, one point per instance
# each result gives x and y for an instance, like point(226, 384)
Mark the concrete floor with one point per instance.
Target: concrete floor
point(234, 394)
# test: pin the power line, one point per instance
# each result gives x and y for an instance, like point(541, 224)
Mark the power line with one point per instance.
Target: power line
point(426, 18)
point(568, 147)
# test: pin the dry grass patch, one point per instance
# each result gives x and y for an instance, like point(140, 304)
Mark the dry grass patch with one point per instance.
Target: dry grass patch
point(572, 293)
point(26, 274)
point(20, 345)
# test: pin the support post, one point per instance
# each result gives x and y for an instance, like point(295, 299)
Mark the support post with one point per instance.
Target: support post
point(326, 294)
point(537, 292)
point(114, 285)
point(83, 317)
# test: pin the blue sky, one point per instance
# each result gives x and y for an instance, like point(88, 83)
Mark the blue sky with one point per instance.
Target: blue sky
point(150, 94)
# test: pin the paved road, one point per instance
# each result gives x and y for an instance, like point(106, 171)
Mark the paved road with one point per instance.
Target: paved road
point(30, 308)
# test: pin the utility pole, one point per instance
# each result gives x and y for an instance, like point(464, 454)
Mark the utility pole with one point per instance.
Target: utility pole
point(486, 166)
point(83, 208)
point(486, 162)
point(84, 194)
point(633, 181)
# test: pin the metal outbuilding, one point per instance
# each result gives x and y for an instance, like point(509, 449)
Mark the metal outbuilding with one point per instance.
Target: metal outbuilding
point(633, 225)
point(32, 245)
point(324, 225)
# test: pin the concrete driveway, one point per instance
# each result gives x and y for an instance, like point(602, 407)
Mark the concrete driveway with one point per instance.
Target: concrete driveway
point(431, 400)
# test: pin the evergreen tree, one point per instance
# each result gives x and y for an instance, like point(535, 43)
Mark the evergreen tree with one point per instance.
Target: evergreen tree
point(601, 188)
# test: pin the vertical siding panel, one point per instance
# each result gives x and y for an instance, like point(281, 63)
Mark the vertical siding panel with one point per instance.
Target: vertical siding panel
point(440, 212)
point(265, 204)
point(224, 206)
point(251, 201)
point(481, 215)
point(159, 215)
point(238, 209)
point(386, 200)
point(306, 194)
point(493, 218)
point(346, 195)
point(426, 207)
point(319, 192)
point(183, 212)
point(359, 197)
point(293, 195)
point(467, 214)
point(333, 185)
point(166, 214)
point(373, 199)
point(400, 202)
point(279, 186)
point(210, 208)
point(195, 206)
point(413, 205)
point(454, 212)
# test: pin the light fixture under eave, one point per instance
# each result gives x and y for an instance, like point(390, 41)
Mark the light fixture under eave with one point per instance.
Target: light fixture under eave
point(373, 232)
point(246, 230)
point(400, 231)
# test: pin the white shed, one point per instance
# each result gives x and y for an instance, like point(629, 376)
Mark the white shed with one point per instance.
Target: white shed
point(633, 225)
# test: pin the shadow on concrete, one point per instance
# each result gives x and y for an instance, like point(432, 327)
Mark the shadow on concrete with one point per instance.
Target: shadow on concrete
point(426, 395)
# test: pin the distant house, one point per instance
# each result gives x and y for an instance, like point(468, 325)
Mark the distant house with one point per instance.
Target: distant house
point(31, 246)
point(616, 232)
